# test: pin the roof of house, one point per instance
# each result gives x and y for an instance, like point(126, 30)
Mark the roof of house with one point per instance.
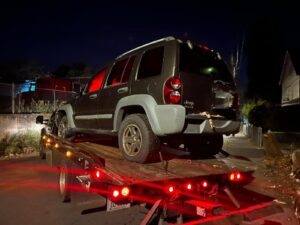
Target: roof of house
point(295, 57)
point(292, 55)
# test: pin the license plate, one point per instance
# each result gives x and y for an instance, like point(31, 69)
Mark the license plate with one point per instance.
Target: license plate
point(201, 211)
point(111, 206)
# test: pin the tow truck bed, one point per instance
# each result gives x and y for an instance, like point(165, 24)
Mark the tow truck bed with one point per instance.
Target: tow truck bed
point(175, 168)
point(162, 185)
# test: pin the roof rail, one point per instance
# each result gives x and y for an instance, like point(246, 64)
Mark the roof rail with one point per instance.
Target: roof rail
point(170, 38)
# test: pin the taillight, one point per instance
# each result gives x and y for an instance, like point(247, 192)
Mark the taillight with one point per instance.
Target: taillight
point(125, 191)
point(235, 176)
point(120, 193)
point(116, 193)
point(172, 90)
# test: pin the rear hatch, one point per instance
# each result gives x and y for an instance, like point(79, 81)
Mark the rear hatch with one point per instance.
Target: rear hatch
point(206, 81)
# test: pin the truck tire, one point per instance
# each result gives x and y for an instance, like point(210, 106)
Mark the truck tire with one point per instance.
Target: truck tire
point(64, 182)
point(63, 129)
point(205, 145)
point(136, 139)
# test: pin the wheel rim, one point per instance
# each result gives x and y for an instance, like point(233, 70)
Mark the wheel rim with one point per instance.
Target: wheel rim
point(132, 140)
point(62, 181)
point(62, 129)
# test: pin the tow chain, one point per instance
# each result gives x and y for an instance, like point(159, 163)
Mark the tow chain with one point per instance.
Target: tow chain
point(208, 116)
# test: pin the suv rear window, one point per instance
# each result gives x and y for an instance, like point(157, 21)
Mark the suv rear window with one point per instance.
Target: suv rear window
point(151, 63)
point(201, 61)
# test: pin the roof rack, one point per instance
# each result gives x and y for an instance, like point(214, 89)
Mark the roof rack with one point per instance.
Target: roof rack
point(170, 38)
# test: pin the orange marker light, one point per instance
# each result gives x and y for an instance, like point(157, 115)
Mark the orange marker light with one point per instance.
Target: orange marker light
point(68, 154)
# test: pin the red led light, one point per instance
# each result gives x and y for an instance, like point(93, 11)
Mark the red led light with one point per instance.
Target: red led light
point(125, 191)
point(116, 193)
point(204, 184)
point(171, 189)
point(189, 186)
point(96, 174)
point(235, 176)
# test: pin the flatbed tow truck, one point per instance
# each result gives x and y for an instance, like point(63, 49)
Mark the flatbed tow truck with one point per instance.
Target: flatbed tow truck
point(176, 189)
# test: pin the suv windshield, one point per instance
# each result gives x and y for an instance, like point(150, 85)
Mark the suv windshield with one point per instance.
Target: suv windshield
point(201, 61)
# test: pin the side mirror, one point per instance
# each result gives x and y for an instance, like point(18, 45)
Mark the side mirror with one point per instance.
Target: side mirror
point(39, 120)
point(77, 88)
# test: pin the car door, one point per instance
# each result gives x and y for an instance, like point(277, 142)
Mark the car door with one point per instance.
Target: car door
point(86, 110)
point(116, 87)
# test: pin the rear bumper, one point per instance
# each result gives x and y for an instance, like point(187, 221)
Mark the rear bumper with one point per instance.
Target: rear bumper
point(220, 127)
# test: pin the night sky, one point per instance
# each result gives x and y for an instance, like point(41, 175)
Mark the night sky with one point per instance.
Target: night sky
point(94, 32)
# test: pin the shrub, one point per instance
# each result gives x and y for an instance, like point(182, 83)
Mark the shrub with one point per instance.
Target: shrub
point(4, 143)
point(19, 141)
point(249, 105)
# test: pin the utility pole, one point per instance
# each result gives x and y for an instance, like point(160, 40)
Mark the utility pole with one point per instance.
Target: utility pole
point(13, 98)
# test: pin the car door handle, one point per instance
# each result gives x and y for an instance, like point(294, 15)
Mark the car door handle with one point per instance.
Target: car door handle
point(122, 90)
point(93, 96)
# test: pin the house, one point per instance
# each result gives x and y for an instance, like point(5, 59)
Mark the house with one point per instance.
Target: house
point(290, 78)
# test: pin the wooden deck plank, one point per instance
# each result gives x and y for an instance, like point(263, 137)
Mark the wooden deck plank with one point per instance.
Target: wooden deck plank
point(131, 172)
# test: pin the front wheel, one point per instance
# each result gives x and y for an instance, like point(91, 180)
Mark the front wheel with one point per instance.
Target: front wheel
point(63, 129)
point(136, 139)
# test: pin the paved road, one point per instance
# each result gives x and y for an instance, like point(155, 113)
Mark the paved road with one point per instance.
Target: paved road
point(28, 194)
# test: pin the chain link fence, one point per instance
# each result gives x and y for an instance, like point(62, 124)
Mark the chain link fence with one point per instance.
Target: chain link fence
point(14, 100)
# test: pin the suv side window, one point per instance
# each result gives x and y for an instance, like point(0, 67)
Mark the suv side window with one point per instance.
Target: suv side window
point(96, 81)
point(151, 63)
point(115, 75)
point(120, 72)
point(128, 69)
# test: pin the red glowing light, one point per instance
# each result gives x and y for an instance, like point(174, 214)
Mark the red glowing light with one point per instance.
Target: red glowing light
point(235, 176)
point(116, 193)
point(204, 184)
point(171, 189)
point(189, 186)
point(97, 173)
point(125, 191)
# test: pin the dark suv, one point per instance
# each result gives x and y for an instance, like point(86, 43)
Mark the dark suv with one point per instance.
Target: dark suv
point(164, 92)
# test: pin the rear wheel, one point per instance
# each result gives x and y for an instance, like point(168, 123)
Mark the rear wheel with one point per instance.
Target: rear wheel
point(136, 138)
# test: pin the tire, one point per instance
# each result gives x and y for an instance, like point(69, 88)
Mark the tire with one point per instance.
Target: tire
point(205, 145)
point(64, 182)
point(63, 129)
point(137, 141)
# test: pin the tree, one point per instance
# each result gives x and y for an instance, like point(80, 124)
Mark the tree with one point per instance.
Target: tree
point(264, 51)
point(19, 70)
point(73, 70)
